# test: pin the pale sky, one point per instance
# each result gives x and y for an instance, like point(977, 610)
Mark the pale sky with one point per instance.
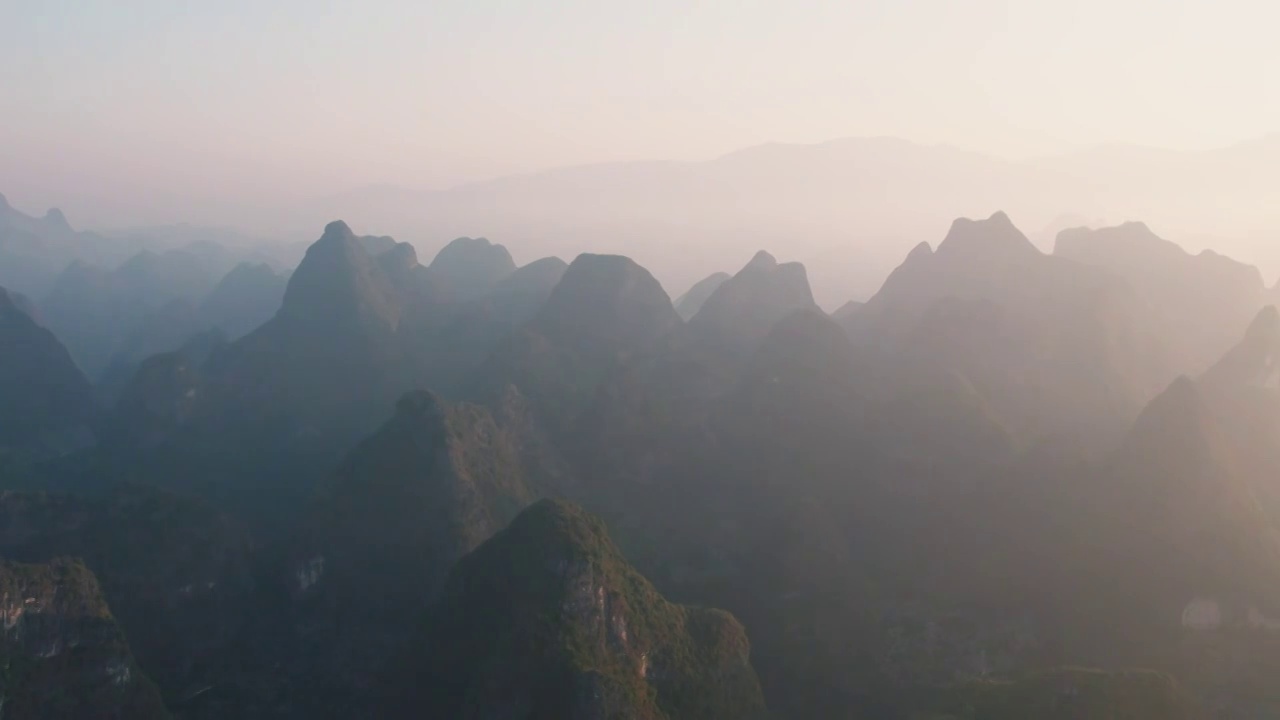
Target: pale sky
point(228, 99)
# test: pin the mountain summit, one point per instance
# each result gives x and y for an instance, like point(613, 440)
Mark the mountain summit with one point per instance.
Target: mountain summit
point(743, 309)
point(990, 240)
point(337, 285)
point(469, 267)
point(607, 301)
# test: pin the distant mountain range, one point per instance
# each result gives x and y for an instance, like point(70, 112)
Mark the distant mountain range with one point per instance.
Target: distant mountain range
point(846, 208)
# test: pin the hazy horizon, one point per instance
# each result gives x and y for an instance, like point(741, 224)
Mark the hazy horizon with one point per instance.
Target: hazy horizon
point(428, 123)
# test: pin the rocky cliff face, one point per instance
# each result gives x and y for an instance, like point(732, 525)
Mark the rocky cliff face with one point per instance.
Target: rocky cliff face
point(175, 573)
point(433, 483)
point(62, 655)
point(548, 620)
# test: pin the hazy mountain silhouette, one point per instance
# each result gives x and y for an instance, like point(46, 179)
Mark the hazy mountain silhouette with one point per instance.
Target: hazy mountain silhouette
point(121, 316)
point(48, 404)
point(849, 208)
point(691, 301)
point(1243, 389)
point(469, 267)
point(1203, 300)
point(519, 295)
point(743, 309)
point(844, 311)
point(33, 250)
point(245, 298)
point(604, 308)
point(1055, 348)
point(1192, 523)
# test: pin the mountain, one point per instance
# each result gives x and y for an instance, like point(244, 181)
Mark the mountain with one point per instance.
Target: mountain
point(743, 309)
point(1055, 349)
point(48, 404)
point(339, 286)
point(452, 337)
point(547, 619)
point(866, 197)
point(1243, 390)
point(162, 394)
point(520, 295)
point(329, 358)
point(1191, 521)
point(245, 298)
point(469, 267)
point(255, 424)
point(849, 208)
point(1203, 301)
point(846, 310)
point(428, 487)
point(691, 301)
point(34, 249)
point(603, 309)
point(1255, 361)
point(176, 573)
point(118, 317)
point(65, 657)
point(377, 244)
point(160, 330)
point(663, 391)
point(1183, 553)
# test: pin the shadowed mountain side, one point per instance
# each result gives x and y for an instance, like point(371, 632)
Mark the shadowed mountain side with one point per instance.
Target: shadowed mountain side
point(744, 308)
point(244, 299)
point(603, 309)
point(547, 619)
point(452, 340)
point(47, 405)
point(176, 573)
point(428, 487)
point(468, 268)
point(65, 658)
